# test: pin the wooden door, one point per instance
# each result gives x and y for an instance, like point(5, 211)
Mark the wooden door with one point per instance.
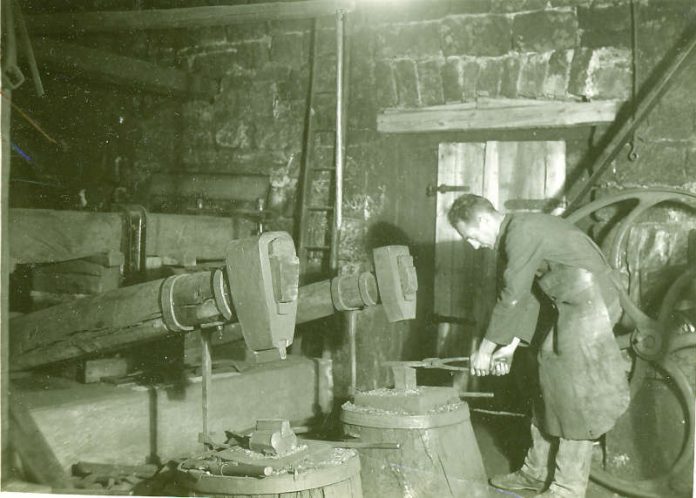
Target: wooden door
point(514, 176)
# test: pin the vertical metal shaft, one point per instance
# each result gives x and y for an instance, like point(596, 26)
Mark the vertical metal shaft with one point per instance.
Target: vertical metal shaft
point(5, 111)
point(206, 375)
point(351, 328)
point(340, 136)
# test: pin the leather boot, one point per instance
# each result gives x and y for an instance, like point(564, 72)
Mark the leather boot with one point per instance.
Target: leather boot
point(517, 481)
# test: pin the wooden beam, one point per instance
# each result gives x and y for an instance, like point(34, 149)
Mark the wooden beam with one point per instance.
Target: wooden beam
point(191, 17)
point(48, 236)
point(122, 70)
point(497, 114)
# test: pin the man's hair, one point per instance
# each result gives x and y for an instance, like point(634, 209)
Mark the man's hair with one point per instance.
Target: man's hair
point(468, 207)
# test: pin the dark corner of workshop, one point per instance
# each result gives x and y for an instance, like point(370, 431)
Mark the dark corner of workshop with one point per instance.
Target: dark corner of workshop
point(348, 248)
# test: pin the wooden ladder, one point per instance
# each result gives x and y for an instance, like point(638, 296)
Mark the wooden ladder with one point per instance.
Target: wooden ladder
point(317, 238)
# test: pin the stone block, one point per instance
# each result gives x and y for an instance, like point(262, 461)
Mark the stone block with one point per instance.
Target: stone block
point(406, 83)
point(420, 400)
point(451, 75)
point(595, 38)
point(490, 77)
point(476, 35)
point(570, 3)
point(295, 86)
point(417, 40)
point(543, 31)
point(289, 26)
point(362, 111)
point(470, 7)
point(509, 6)
point(280, 135)
point(325, 77)
point(385, 84)
point(608, 26)
point(430, 82)
point(253, 54)
point(402, 11)
point(289, 49)
point(671, 120)
point(578, 77)
point(197, 37)
point(259, 99)
point(671, 159)
point(556, 82)
point(533, 74)
point(325, 111)
point(509, 82)
point(470, 73)
point(216, 64)
point(610, 74)
point(326, 42)
point(237, 134)
point(609, 17)
point(247, 32)
point(198, 111)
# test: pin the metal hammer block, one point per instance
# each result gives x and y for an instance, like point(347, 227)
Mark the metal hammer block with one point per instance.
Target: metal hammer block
point(263, 274)
point(397, 281)
point(273, 437)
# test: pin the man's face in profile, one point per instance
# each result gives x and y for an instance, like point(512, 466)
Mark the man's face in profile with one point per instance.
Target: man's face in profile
point(478, 233)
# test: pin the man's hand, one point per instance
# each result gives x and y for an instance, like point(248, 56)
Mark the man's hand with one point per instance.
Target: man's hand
point(501, 360)
point(480, 363)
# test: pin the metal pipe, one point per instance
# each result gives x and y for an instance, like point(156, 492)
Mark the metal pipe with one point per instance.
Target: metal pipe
point(5, 113)
point(340, 135)
point(206, 377)
point(351, 328)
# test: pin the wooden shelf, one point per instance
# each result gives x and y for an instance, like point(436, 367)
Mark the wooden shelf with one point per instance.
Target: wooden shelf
point(498, 114)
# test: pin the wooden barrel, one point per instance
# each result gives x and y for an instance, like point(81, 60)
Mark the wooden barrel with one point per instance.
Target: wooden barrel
point(438, 456)
point(332, 473)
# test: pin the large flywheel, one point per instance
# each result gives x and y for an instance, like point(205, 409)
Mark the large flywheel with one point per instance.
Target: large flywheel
point(653, 340)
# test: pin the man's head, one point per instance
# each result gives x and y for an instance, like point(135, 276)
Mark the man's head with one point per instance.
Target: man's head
point(476, 220)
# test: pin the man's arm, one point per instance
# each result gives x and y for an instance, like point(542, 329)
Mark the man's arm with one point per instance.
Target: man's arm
point(515, 313)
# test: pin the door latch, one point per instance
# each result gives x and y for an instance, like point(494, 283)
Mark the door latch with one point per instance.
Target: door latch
point(431, 190)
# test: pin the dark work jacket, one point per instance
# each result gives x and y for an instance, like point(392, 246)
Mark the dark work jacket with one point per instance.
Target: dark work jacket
point(531, 243)
point(581, 372)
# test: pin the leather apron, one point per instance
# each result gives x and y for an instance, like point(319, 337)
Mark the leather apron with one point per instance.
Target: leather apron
point(582, 374)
